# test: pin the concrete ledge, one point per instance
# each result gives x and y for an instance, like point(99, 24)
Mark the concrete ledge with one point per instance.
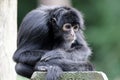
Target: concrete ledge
point(21, 78)
point(87, 75)
point(90, 75)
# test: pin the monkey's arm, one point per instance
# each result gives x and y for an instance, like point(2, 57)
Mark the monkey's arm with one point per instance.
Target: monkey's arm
point(55, 57)
point(54, 54)
point(66, 65)
point(60, 57)
point(69, 65)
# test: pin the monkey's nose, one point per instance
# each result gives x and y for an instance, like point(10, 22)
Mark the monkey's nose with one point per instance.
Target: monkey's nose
point(72, 34)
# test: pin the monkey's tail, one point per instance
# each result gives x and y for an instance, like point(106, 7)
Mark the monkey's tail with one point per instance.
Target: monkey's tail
point(53, 73)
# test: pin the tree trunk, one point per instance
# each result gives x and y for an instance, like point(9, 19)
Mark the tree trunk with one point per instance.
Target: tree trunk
point(8, 31)
point(55, 2)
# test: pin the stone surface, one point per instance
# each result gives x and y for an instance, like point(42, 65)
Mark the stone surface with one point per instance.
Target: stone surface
point(91, 75)
point(21, 78)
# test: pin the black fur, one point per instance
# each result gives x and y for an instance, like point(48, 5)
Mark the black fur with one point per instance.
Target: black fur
point(39, 40)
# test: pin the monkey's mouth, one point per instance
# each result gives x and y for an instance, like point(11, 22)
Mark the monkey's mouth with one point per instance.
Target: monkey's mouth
point(69, 38)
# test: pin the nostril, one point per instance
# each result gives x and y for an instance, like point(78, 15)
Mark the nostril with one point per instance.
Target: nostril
point(72, 35)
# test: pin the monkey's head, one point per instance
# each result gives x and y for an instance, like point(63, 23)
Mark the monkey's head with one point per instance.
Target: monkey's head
point(66, 23)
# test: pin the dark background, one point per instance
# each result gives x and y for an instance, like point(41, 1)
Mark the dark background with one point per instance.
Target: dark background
point(102, 20)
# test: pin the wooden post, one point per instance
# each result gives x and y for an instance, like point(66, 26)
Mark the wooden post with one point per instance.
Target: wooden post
point(55, 2)
point(8, 31)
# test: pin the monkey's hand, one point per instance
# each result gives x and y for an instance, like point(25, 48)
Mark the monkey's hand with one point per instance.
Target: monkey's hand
point(54, 54)
point(53, 71)
point(41, 66)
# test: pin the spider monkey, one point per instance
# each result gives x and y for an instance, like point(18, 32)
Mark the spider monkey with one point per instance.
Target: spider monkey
point(51, 39)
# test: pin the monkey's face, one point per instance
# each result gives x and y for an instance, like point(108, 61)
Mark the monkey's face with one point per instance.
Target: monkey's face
point(66, 23)
point(70, 25)
point(69, 32)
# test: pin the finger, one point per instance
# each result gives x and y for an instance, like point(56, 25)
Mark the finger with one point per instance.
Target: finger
point(42, 68)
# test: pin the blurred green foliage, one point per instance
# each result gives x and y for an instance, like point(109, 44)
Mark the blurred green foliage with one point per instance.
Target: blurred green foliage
point(102, 20)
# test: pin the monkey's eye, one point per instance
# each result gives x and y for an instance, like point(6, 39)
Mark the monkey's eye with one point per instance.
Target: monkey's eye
point(76, 27)
point(67, 27)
